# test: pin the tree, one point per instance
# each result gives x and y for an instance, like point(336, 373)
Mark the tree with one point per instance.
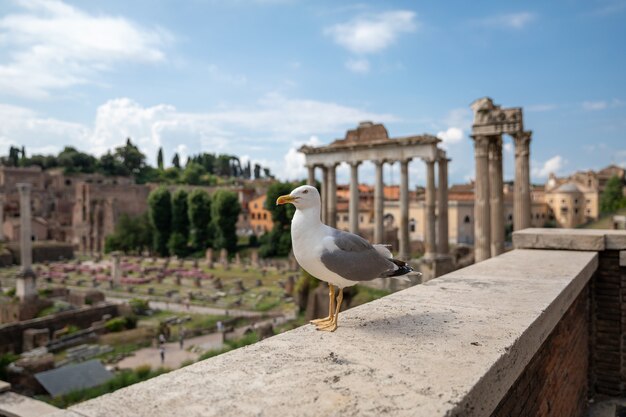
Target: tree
point(132, 235)
point(160, 209)
point(109, 165)
point(73, 160)
point(612, 198)
point(177, 245)
point(225, 209)
point(180, 213)
point(160, 158)
point(130, 157)
point(278, 241)
point(257, 171)
point(192, 174)
point(176, 161)
point(199, 210)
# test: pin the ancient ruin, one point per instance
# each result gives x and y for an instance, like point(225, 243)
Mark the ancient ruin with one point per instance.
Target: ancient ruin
point(371, 142)
point(491, 121)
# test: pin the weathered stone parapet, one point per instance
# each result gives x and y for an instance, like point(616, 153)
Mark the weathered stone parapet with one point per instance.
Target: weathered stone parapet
point(570, 239)
point(451, 347)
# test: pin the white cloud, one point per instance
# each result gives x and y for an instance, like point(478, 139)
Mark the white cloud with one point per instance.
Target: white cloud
point(294, 160)
point(361, 66)
point(508, 21)
point(265, 130)
point(594, 105)
point(552, 165)
point(372, 33)
point(52, 45)
point(508, 148)
point(451, 136)
point(23, 127)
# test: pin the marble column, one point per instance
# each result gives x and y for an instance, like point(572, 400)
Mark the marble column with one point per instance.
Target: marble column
point(311, 175)
point(354, 197)
point(496, 198)
point(379, 203)
point(430, 238)
point(25, 284)
point(405, 243)
point(1, 218)
point(482, 217)
point(443, 246)
point(521, 197)
point(324, 194)
point(331, 196)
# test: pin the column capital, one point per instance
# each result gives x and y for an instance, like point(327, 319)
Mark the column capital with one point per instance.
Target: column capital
point(354, 163)
point(522, 143)
point(379, 161)
point(331, 165)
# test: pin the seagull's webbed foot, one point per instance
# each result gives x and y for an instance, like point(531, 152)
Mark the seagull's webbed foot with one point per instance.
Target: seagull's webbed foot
point(332, 325)
point(331, 308)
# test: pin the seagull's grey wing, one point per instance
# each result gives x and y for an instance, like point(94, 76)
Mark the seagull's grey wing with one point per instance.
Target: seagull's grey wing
point(353, 258)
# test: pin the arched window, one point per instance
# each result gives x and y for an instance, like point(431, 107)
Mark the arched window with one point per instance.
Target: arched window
point(466, 219)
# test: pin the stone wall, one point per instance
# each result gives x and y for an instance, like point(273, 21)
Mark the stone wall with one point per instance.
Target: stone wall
point(43, 251)
point(11, 334)
point(555, 381)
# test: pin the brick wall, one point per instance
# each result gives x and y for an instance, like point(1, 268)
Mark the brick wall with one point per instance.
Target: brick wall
point(555, 381)
point(608, 327)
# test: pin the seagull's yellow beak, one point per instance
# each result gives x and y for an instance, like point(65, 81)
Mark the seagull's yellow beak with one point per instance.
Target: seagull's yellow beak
point(284, 199)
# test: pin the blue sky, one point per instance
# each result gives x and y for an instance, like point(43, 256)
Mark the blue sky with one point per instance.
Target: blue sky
point(260, 78)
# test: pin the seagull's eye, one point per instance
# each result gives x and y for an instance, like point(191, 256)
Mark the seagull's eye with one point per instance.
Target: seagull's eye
point(305, 191)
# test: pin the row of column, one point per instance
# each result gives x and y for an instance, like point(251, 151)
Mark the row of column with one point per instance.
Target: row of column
point(432, 245)
point(489, 200)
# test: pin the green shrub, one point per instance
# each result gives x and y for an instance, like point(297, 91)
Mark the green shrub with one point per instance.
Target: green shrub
point(139, 306)
point(116, 324)
point(5, 360)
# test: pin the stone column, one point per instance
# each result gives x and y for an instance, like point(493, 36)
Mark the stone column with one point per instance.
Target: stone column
point(443, 246)
point(116, 270)
point(482, 217)
point(1, 218)
point(405, 244)
point(332, 196)
point(430, 238)
point(354, 197)
point(379, 203)
point(521, 198)
point(495, 195)
point(25, 284)
point(324, 194)
point(311, 175)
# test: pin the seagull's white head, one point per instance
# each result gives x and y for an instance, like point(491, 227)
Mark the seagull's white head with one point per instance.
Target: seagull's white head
point(302, 197)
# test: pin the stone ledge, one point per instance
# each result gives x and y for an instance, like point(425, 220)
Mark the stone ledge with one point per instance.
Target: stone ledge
point(570, 239)
point(453, 346)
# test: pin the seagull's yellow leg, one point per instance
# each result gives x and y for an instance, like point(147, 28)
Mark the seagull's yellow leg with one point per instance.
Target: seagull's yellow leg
point(332, 326)
point(331, 307)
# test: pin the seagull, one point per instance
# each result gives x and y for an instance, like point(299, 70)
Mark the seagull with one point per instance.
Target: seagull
point(340, 258)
